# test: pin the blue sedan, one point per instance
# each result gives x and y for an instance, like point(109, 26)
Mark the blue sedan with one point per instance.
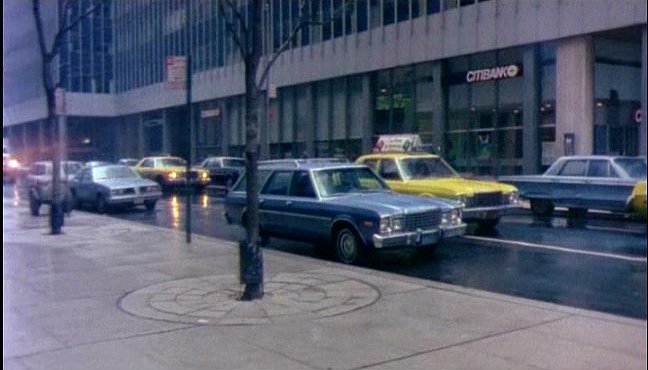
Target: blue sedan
point(111, 186)
point(346, 206)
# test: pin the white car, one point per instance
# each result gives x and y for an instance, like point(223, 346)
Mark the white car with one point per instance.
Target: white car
point(39, 184)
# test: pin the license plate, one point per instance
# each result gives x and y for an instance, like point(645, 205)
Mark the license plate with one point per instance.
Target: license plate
point(139, 201)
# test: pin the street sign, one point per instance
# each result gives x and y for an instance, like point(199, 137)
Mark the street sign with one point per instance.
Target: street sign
point(176, 68)
point(272, 91)
point(638, 116)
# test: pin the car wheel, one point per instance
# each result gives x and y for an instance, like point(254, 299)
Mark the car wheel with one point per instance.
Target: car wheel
point(542, 207)
point(488, 224)
point(348, 246)
point(100, 204)
point(34, 204)
point(150, 205)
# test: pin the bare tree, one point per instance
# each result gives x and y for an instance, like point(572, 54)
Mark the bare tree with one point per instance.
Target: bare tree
point(48, 56)
point(243, 23)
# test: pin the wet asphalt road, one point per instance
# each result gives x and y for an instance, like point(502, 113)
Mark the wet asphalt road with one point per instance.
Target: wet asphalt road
point(599, 265)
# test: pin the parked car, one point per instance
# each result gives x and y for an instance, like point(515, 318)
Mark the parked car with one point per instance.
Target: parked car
point(113, 185)
point(223, 171)
point(170, 171)
point(96, 163)
point(484, 202)
point(298, 161)
point(39, 184)
point(638, 200)
point(345, 206)
point(131, 162)
point(580, 183)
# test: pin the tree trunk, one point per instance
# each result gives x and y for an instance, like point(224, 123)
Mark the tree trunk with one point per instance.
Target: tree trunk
point(251, 254)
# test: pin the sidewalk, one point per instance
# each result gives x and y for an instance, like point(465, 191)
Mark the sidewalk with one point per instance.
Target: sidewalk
point(111, 294)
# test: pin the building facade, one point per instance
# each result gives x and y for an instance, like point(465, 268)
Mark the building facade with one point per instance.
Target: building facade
point(497, 87)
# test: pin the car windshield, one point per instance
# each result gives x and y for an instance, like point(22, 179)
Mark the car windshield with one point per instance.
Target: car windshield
point(171, 162)
point(426, 167)
point(635, 167)
point(233, 162)
point(113, 172)
point(338, 181)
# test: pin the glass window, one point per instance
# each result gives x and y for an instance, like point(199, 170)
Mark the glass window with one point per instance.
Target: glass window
point(599, 168)
point(422, 168)
point(634, 167)
point(573, 168)
point(388, 12)
point(234, 162)
point(147, 163)
point(302, 185)
point(433, 6)
point(278, 184)
point(388, 170)
point(346, 180)
point(361, 14)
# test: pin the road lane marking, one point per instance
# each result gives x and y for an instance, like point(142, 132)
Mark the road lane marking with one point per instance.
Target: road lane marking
point(555, 248)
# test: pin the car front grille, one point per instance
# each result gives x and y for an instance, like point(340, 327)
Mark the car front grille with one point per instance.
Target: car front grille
point(486, 199)
point(423, 220)
point(192, 175)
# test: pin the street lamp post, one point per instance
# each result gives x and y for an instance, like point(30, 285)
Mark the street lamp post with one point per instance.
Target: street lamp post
point(189, 119)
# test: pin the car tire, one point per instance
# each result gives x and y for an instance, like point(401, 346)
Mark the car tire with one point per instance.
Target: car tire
point(150, 205)
point(488, 224)
point(542, 207)
point(349, 247)
point(100, 204)
point(34, 204)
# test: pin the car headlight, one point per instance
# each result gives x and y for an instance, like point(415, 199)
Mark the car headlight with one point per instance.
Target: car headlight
point(390, 224)
point(462, 200)
point(173, 175)
point(204, 175)
point(513, 197)
point(152, 188)
point(117, 191)
point(451, 218)
point(455, 217)
point(13, 163)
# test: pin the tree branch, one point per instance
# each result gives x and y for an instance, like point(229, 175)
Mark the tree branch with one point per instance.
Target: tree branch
point(65, 27)
point(304, 21)
point(229, 25)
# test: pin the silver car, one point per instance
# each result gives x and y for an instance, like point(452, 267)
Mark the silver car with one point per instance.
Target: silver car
point(112, 186)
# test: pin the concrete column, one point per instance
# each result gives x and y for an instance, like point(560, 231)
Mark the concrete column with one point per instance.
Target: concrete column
point(642, 125)
point(166, 137)
point(530, 147)
point(575, 94)
point(439, 110)
point(368, 124)
point(141, 148)
point(309, 134)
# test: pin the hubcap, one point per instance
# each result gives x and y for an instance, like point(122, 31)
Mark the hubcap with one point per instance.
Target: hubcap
point(347, 246)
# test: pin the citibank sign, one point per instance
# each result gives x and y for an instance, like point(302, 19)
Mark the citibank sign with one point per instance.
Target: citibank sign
point(495, 73)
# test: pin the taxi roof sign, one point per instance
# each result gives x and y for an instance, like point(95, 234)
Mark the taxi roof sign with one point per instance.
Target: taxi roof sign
point(398, 143)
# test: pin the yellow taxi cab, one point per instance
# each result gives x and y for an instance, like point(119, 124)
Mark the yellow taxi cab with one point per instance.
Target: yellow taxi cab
point(638, 199)
point(425, 174)
point(169, 171)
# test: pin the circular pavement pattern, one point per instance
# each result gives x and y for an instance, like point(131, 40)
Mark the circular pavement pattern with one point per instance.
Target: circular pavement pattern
point(213, 300)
